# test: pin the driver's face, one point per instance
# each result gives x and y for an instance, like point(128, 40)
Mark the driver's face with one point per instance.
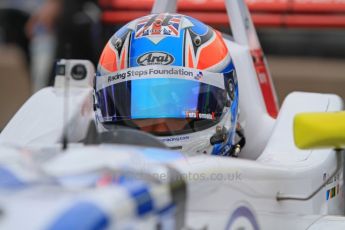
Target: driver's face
point(161, 125)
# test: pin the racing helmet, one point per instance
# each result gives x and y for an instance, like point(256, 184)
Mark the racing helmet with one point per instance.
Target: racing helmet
point(172, 76)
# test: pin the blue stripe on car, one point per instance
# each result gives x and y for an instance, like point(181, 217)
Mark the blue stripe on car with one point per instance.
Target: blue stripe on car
point(141, 195)
point(161, 155)
point(9, 180)
point(83, 215)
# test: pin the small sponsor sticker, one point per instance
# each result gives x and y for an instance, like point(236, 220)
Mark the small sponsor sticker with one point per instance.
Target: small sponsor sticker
point(175, 139)
point(199, 76)
point(197, 115)
point(155, 58)
point(332, 192)
point(333, 186)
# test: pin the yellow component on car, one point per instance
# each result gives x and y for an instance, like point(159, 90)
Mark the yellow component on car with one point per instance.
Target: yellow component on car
point(319, 130)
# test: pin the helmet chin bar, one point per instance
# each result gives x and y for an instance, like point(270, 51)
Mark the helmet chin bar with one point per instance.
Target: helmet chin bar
point(201, 142)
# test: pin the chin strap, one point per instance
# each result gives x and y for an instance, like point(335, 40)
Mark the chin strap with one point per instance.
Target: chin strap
point(236, 149)
point(229, 150)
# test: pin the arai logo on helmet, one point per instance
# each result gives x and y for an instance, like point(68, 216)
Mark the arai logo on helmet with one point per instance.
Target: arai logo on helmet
point(155, 58)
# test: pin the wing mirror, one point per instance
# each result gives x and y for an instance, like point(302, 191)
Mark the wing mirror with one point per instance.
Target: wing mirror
point(314, 131)
point(319, 130)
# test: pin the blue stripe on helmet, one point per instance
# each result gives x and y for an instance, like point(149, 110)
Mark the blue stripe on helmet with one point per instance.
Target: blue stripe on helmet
point(230, 67)
point(198, 27)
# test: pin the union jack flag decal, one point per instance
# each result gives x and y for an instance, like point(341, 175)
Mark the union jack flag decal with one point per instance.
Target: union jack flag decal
point(160, 24)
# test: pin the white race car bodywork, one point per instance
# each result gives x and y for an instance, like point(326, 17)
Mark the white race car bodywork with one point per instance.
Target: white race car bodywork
point(222, 193)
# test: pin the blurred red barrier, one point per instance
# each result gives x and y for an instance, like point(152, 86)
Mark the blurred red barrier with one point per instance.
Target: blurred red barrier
point(196, 5)
point(272, 13)
point(315, 6)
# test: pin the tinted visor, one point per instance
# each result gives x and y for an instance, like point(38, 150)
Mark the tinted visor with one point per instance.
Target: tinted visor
point(162, 94)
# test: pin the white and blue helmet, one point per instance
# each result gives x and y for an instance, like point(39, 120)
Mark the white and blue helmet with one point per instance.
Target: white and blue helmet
point(172, 76)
